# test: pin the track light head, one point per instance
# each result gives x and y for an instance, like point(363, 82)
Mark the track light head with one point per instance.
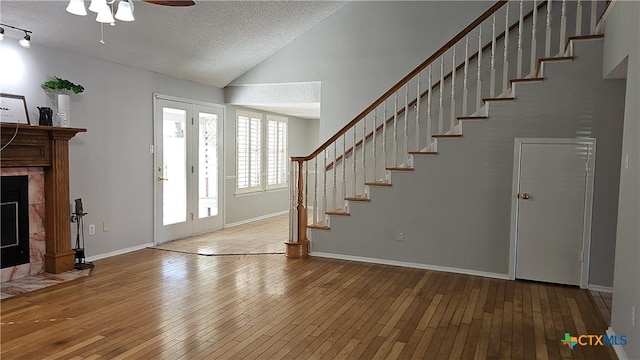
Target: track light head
point(25, 42)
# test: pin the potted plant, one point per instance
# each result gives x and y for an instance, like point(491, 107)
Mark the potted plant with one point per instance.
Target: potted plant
point(62, 88)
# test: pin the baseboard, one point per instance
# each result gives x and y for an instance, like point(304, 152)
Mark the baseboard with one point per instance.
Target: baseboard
point(411, 265)
point(617, 348)
point(118, 252)
point(242, 222)
point(604, 289)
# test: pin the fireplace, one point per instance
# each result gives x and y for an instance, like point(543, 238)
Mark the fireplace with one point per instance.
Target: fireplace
point(14, 213)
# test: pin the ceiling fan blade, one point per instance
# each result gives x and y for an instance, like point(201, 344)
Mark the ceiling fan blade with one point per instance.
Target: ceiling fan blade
point(171, 2)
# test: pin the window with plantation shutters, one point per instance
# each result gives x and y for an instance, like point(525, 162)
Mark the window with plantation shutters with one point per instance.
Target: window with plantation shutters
point(276, 151)
point(249, 151)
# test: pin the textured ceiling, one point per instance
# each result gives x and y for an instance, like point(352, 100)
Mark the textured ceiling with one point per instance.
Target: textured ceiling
point(212, 42)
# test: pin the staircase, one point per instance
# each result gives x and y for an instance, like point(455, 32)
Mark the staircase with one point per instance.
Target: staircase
point(403, 175)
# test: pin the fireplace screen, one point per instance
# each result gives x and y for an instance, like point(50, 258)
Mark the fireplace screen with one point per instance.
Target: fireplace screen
point(15, 220)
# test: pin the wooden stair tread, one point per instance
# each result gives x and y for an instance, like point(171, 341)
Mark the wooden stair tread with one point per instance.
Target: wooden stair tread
point(511, 98)
point(535, 79)
point(423, 153)
point(558, 58)
point(357, 198)
point(400, 169)
point(319, 226)
point(338, 212)
point(377, 184)
point(447, 136)
point(484, 117)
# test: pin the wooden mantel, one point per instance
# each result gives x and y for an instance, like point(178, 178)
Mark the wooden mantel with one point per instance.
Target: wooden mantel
point(46, 147)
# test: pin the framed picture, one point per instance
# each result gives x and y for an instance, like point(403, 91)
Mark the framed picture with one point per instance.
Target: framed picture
point(13, 109)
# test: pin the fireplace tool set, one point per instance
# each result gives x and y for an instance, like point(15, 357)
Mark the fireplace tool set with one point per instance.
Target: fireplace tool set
point(78, 218)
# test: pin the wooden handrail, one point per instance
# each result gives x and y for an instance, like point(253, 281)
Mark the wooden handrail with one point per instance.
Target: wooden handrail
point(406, 79)
point(434, 86)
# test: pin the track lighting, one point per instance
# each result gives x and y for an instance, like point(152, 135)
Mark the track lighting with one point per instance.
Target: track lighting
point(25, 42)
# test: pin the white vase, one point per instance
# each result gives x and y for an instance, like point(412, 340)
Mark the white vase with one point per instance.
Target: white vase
point(63, 117)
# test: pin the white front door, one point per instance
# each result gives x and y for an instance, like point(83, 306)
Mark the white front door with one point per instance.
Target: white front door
point(187, 172)
point(552, 203)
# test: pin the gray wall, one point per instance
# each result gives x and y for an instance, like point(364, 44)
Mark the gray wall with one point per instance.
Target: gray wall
point(362, 50)
point(462, 218)
point(111, 167)
point(302, 137)
point(623, 41)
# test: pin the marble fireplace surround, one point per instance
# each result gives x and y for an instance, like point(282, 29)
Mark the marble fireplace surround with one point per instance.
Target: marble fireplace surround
point(43, 150)
point(37, 246)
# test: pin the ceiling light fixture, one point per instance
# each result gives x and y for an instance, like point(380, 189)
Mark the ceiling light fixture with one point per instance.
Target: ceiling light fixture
point(25, 42)
point(76, 7)
point(125, 11)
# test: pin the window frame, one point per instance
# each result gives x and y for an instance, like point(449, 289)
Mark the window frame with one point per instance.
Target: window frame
point(250, 116)
point(285, 121)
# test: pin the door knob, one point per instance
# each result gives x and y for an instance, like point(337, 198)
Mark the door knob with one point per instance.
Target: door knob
point(162, 179)
point(524, 196)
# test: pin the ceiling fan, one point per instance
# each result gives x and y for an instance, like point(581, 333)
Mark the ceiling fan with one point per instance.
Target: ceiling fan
point(171, 2)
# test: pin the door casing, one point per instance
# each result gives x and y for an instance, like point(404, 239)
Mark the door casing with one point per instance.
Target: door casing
point(588, 201)
point(222, 163)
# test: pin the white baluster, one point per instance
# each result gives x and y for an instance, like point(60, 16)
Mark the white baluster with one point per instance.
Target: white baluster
point(594, 16)
point(405, 155)
point(547, 46)
point(453, 121)
point(441, 109)
point(384, 136)
point(344, 170)
point(579, 18)
point(429, 128)
point(323, 213)
point(465, 89)
point(418, 113)
point(353, 154)
point(563, 28)
point(316, 219)
point(492, 80)
point(335, 175)
point(520, 27)
point(395, 130)
point(374, 150)
point(479, 81)
point(364, 150)
point(533, 40)
point(505, 63)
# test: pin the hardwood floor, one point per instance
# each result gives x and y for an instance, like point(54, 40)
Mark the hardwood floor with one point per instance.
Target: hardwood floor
point(266, 236)
point(168, 305)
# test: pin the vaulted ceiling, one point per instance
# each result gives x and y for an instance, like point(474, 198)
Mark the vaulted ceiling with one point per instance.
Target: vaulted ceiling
point(212, 42)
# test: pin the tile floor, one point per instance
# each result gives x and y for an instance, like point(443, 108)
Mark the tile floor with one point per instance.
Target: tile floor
point(37, 282)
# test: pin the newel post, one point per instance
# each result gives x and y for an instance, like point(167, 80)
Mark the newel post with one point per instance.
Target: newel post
point(298, 245)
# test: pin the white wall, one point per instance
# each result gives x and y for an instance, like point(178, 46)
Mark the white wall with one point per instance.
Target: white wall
point(302, 139)
point(362, 50)
point(622, 41)
point(111, 168)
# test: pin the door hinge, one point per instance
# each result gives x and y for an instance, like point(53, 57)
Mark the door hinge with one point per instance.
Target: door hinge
point(192, 170)
point(191, 121)
point(582, 255)
point(191, 216)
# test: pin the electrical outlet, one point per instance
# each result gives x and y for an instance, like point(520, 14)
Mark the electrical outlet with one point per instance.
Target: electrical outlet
point(633, 316)
point(105, 226)
point(400, 236)
point(92, 229)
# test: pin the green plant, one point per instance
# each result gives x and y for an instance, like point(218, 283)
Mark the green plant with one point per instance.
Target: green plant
point(62, 86)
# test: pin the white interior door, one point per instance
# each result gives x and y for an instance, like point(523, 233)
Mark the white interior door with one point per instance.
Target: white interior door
point(187, 172)
point(551, 219)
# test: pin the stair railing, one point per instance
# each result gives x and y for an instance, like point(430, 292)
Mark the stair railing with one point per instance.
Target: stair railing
point(428, 121)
